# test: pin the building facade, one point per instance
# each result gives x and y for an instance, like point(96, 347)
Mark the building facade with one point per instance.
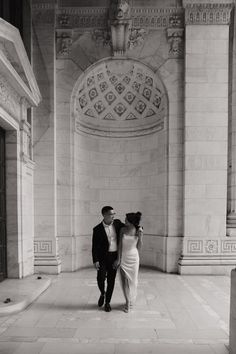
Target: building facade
point(137, 112)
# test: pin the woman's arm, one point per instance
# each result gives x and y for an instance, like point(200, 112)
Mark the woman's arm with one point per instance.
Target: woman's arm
point(120, 245)
point(140, 238)
point(119, 250)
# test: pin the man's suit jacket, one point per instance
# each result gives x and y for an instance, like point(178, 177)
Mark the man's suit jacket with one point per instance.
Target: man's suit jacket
point(100, 244)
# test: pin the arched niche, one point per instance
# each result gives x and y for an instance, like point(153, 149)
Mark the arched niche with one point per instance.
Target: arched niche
point(120, 108)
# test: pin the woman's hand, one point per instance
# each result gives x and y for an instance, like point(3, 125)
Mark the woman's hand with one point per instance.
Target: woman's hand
point(140, 231)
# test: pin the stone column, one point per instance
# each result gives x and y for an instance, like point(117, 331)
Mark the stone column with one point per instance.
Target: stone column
point(231, 207)
point(206, 249)
point(46, 243)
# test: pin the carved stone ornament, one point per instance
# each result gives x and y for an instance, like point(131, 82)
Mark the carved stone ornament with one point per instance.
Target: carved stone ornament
point(208, 14)
point(102, 37)
point(9, 99)
point(26, 140)
point(213, 246)
point(120, 23)
point(136, 37)
point(176, 42)
point(63, 43)
point(141, 17)
point(120, 10)
point(119, 98)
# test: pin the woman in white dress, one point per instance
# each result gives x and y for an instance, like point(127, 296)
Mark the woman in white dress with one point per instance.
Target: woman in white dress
point(128, 257)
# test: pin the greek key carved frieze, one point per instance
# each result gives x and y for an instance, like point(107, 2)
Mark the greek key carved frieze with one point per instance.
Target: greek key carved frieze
point(213, 246)
point(228, 246)
point(195, 246)
point(42, 246)
point(208, 14)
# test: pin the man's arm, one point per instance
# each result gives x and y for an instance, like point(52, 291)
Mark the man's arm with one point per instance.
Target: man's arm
point(94, 250)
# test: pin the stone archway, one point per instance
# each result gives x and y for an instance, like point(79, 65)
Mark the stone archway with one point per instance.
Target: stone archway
point(120, 111)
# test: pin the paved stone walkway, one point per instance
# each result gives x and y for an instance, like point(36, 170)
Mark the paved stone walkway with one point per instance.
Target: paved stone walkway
point(174, 315)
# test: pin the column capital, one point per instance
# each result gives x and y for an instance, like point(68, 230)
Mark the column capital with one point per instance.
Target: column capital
point(208, 12)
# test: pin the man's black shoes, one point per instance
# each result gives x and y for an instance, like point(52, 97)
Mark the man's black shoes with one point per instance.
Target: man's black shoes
point(101, 300)
point(107, 307)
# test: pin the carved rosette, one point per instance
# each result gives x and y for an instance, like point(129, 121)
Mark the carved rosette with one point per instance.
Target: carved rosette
point(176, 42)
point(208, 14)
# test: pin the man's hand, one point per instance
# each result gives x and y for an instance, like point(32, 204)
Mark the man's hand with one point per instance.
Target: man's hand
point(96, 265)
point(116, 264)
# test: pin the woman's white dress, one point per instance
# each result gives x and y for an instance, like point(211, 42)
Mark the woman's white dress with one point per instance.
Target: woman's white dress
point(129, 265)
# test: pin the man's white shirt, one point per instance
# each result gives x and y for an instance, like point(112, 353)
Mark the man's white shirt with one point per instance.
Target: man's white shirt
point(111, 236)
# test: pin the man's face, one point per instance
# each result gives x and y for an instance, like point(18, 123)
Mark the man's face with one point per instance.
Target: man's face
point(109, 216)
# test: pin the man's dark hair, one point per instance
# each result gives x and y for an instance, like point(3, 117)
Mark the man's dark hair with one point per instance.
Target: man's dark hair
point(105, 209)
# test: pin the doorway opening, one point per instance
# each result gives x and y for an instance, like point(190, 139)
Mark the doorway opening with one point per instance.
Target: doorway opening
point(3, 235)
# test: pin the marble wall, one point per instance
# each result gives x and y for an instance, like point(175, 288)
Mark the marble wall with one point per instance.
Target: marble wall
point(232, 325)
point(80, 47)
point(128, 174)
point(79, 179)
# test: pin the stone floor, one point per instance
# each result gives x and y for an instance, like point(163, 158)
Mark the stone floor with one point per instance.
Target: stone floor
point(174, 314)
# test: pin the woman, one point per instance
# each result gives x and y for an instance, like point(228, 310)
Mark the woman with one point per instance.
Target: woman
point(128, 257)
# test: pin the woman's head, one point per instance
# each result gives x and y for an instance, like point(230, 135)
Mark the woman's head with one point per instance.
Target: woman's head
point(133, 218)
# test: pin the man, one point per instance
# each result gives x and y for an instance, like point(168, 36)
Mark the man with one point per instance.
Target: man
point(104, 251)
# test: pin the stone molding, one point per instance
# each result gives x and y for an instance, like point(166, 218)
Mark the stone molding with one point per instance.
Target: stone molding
point(87, 17)
point(208, 14)
point(24, 84)
point(45, 6)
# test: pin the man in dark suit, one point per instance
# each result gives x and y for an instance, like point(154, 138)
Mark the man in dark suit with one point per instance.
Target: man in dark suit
point(104, 251)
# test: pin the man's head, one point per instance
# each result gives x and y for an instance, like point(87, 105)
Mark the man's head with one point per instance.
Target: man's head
point(108, 214)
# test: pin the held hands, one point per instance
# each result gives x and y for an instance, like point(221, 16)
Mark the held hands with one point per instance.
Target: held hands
point(96, 265)
point(116, 264)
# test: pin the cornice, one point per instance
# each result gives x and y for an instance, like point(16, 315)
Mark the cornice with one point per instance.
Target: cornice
point(9, 34)
point(97, 17)
point(208, 13)
point(45, 6)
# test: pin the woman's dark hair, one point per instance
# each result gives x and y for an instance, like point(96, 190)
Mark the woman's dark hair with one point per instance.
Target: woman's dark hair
point(134, 218)
point(105, 209)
